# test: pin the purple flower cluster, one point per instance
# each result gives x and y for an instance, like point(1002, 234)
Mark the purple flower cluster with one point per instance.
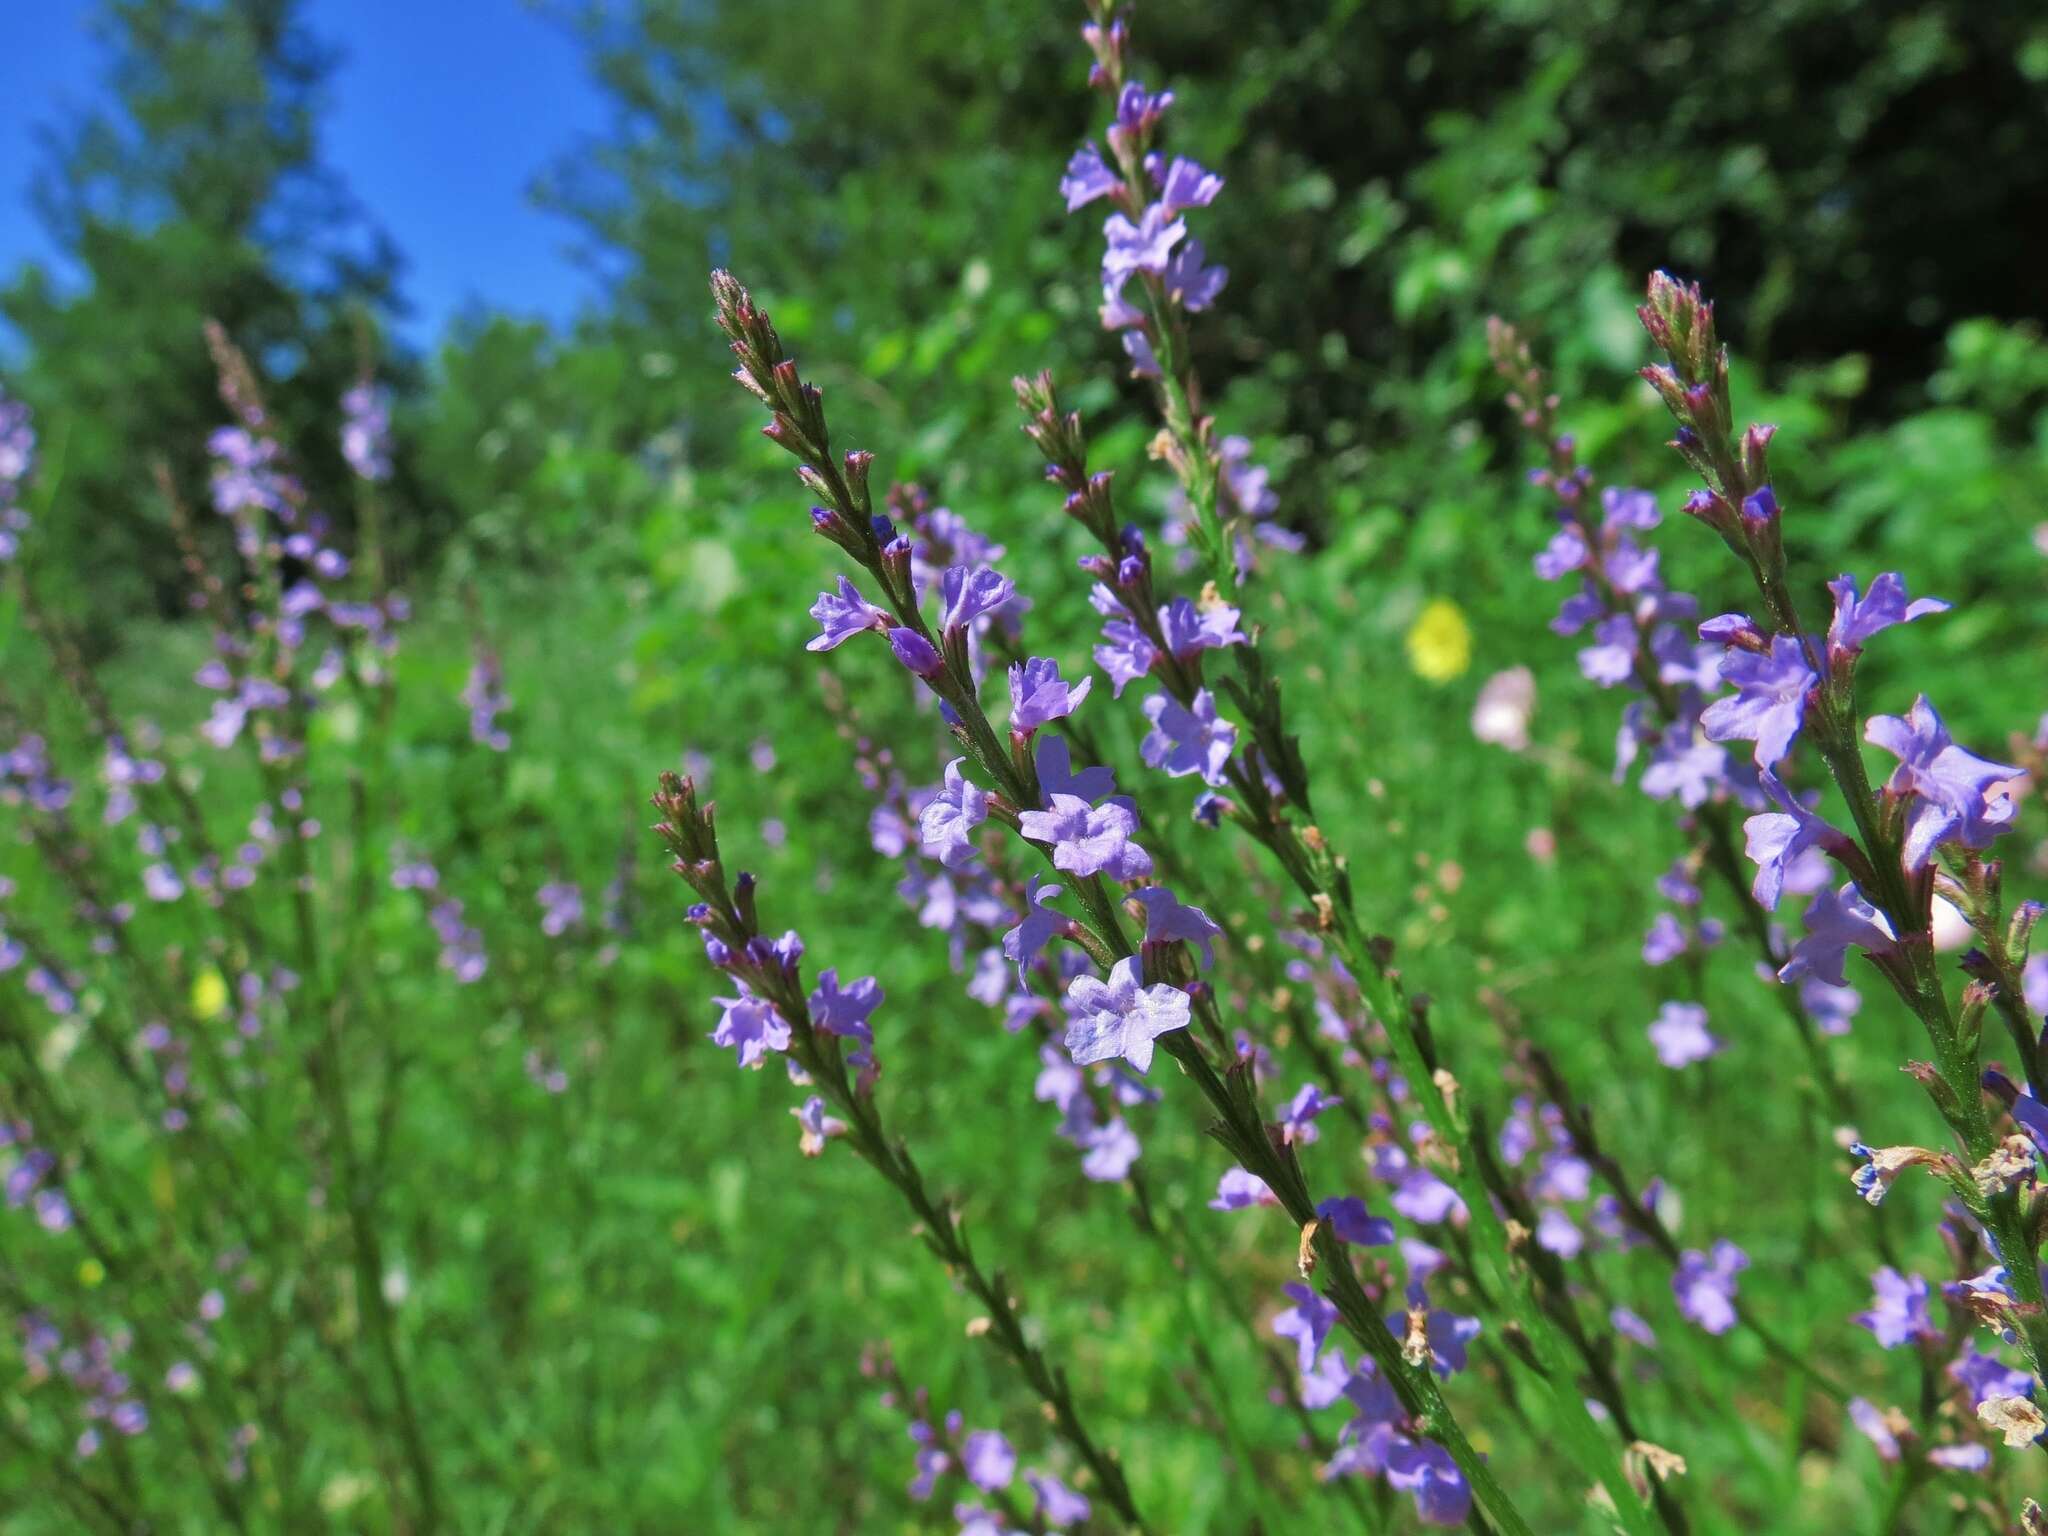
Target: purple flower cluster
point(17, 459)
point(102, 1389)
point(1380, 1439)
point(366, 431)
point(483, 695)
point(462, 946)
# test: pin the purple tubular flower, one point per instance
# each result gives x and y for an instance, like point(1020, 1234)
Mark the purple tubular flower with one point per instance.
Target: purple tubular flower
point(1307, 1322)
point(1857, 619)
point(1240, 1189)
point(1298, 1120)
point(1425, 1471)
point(1445, 1333)
point(1187, 185)
point(1121, 1017)
point(1088, 177)
point(1681, 1037)
point(1898, 1313)
point(1349, 1218)
point(970, 593)
point(916, 652)
point(1188, 739)
point(1958, 796)
point(750, 1027)
point(1038, 694)
point(1769, 706)
point(1986, 1376)
point(988, 1460)
point(1611, 659)
point(1836, 920)
point(1168, 921)
point(842, 616)
point(1055, 775)
point(1190, 281)
point(1876, 1426)
point(1125, 654)
point(844, 1011)
point(1111, 1150)
point(1088, 840)
point(1630, 1326)
point(1705, 1286)
point(1774, 840)
point(1036, 928)
point(1664, 942)
point(1565, 553)
point(1145, 246)
point(946, 824)
point(1058, 1505)
point(1189, 630)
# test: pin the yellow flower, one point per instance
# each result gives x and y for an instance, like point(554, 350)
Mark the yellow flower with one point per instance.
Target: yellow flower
point(1440, 641)
point(209, 994)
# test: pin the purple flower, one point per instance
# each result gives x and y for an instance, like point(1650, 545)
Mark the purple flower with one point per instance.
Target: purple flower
point(988, 1460)
point(1611, 659)
point(1876, 1425)
point(817, 1127)
point(946, 825)
point(1187, 185)
point(561, 904)
point(1088, 840)
point(750, 1027)
point(1145, 246)
point(970, 593)
point(366, 431)
point(1769, 706)
point(1680, 1035)
point(1189, 739)
point(1325, 1384)
point(1125, 654)
point(916, 652)
point(1298, 1120)
point(1307, 1322)
point(1239, 1189)
point(1121, 1017)
point(1898, 1312)
point(1630, 1326)
point(1110, 1149)
point(1138, 111)
point(1626, 507)
point(1190, 281)
point(844, 1011)
point(1037, 928)
point(1836, 920)
point(1665, 941)
point(1189, 630)
point(1349, 1218)
point(1953, 788)
point(1038, 695)
point(1425, 1471)
point(1857, 619)
point(1705, 1287)
point(1058, 1505)
point(1088, 177)
point(1774, 840)
point(1167, 921)
point(1965, 1456)
point(1055, 777)
point(1558, 1233)
point(840, 617)
point(1444, 1334)
point(1986, 1376)
point(1565, 553)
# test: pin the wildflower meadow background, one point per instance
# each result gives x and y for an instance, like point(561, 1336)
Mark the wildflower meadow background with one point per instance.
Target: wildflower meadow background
point(1209, 768)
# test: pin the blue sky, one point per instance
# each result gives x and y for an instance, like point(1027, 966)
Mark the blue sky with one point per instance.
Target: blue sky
point(443, 113)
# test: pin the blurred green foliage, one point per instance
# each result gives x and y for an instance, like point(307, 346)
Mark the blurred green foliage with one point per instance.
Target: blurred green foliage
point(634, 1307)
